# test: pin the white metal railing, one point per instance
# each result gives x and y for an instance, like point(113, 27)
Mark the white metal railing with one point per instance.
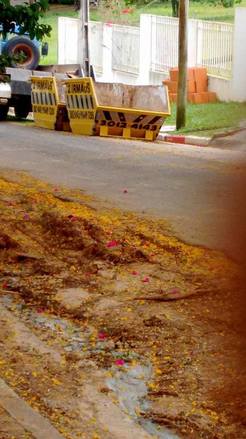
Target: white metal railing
point(125, 48)
point(96, 45)
point(210, 45)
point(215, 47)
point(164, 43)
point(213, 40)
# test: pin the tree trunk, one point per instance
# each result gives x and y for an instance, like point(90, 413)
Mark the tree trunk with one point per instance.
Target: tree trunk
point(182, 82)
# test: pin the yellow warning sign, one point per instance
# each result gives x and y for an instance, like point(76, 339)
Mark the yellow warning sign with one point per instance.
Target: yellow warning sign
point(81, 105)
point(128, 124)
point(44, 101)
point(103, 109)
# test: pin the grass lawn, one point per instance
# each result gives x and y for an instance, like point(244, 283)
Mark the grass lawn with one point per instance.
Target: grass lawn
point(51, 17)
point(207, 119)
point(204, 11)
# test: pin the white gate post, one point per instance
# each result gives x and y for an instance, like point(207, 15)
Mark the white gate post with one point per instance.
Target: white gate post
point(107, 74)
point(145, 49)
point(239, 57)
point(192, 42)
point(69, 49)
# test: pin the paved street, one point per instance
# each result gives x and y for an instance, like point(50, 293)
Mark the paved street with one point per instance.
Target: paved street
point(200, 191)
point(58, 289)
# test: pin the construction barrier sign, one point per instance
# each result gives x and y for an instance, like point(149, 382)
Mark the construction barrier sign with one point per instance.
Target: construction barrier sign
point(95, 109)
point(128, 124)
point(81, 105)
point(44, 101)
point(102, 109)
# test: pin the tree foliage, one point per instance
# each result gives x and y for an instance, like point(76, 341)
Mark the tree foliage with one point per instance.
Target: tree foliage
point(26, 17)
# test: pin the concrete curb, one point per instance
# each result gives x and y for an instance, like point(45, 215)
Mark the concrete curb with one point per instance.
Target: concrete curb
point(228, 133)
point(30, 419)
point(189, 140)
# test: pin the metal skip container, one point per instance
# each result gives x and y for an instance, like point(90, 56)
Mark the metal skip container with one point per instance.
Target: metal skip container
point(117, 110)
point(48, 103)
point(100, 109)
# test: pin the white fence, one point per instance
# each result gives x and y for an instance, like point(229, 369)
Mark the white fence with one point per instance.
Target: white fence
point(125, 48)
point(68, 47)
point(96, 52)
point(210, 44)
point(144, 55)
point(215, 41)
point(164, 43)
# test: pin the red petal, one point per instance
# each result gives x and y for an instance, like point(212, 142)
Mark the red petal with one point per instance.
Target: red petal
point(113, 243)
point(146, 279)
point(119, 362)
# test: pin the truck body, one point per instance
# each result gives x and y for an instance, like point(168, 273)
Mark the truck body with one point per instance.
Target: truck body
point(15, 86)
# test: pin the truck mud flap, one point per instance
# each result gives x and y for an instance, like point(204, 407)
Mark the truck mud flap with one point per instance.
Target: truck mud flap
point(117, 110)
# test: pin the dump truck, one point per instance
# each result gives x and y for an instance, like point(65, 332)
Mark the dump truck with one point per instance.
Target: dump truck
point(15, 86)
point(29, 51)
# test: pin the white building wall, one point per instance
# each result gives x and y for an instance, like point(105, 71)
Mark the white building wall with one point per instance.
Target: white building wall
point(222, 87)
point(239, 57)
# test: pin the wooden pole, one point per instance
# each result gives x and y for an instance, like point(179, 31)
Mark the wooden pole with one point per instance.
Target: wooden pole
point(182, 65)
point(84, 17)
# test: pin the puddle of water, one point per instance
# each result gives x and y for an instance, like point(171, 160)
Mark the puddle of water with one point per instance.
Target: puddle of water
point(130, 387)
point(129, 383)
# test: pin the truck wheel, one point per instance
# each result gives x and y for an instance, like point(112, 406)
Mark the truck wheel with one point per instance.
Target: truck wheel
point(23, 46)
point(21, 110)
point(4, 112)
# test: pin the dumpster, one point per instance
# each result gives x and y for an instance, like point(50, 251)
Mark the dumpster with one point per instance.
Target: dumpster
point(99, 109)
point(118, 110)
point(48, 103)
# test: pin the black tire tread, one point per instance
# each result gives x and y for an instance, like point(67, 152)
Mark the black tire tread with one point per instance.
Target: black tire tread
point(10, 45)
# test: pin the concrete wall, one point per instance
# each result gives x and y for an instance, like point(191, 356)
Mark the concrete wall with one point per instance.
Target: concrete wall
point(222, 87)
point(239, 57)
point(234, 89)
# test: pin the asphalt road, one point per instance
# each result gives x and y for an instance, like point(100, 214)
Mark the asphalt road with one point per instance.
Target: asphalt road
point(200, 191)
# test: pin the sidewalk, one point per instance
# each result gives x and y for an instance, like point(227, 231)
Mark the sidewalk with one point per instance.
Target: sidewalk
point(166, 135)
point(233, 139)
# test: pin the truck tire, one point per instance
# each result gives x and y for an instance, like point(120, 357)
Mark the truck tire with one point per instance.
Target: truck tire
point(22, 45)
point(3, 112)
point(22, 109)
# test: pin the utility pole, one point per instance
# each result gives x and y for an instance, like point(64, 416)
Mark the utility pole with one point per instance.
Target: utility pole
point(182, 82)
point(84, 48)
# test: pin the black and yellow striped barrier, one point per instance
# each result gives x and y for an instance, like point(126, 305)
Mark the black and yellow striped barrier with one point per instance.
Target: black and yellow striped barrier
point(44, 101)
point(131, 112)
point(81, 105)
point(48, 103)
point(101, 109)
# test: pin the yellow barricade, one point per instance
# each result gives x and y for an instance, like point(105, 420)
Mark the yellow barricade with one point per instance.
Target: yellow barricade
point(44, 101)
point(81, 105)
point(108, 109)
point(103, 109)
